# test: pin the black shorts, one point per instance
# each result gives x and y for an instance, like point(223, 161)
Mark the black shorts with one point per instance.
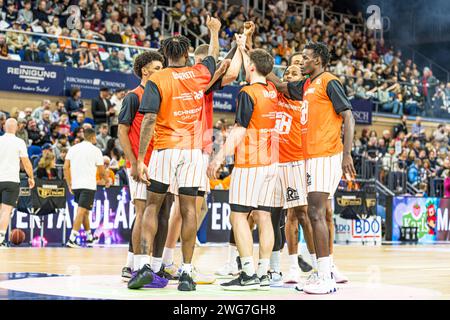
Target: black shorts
point(84, 198)
point(9, 193)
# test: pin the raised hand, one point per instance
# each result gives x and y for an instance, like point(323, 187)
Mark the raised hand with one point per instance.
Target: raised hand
point(213, 24)
point(249, 28)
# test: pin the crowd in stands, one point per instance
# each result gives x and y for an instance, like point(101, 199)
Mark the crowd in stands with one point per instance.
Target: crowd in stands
point(370, 69)
point(410, 151)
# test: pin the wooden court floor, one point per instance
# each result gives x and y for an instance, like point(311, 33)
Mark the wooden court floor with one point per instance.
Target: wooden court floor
point(418, 266)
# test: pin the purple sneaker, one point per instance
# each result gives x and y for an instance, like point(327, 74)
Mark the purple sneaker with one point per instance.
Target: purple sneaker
point(157, 283)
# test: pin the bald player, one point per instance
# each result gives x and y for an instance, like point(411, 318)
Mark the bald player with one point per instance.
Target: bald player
point(14, 152)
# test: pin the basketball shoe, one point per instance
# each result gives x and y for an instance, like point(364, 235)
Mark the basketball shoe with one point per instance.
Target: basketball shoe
point(324, 284)
point(72, 244)
point(264, 283)
point(186, 283)
point(126, 274)
point(276, 278)
point(293, 275)
point(242, 283)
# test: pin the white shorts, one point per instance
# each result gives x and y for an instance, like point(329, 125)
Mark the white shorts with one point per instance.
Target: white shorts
point(254, 187)
point(138, 190)
point(183, 167)
point(293, 184)
point(205, 187)
point(324, 174)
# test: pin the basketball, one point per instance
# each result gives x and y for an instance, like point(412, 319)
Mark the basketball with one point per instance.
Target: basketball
point(17, 236)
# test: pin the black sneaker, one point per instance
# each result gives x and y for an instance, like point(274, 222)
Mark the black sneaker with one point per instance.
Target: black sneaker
point(126, 274)
point(163, 274)
point(90, 243)
point(4, 245)
point(242, 283)
point(239, 263)
point(141, 278)
point(304, 266)
point(72, 244)
point(186, 283)
point(264, 283)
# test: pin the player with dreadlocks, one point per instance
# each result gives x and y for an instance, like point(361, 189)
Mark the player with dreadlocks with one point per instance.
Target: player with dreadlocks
point(130, 121)
point(172, 104)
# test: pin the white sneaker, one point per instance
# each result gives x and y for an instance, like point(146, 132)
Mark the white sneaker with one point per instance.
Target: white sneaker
point(338, 276)
point(276, 278)
point(229, 269)
point(201, 278)
point(323, 285)
point(293, 276)
point(313, 276)
point(197, 242)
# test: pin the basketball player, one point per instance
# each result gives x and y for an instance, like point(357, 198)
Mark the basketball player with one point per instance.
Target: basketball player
point(130, 121)
point(222, 77)
point(254, 176)
point(14, 152)
point(172, 105)
point(325, 107)
point(83, 161)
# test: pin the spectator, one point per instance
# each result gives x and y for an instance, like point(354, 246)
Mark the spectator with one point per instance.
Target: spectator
point(113, 62)
point(413, 173)
point(401, 127)
point(440, 134)
point(46, 149)
point(32, 53)
point(61, 143)
point(109, 173)
point(15, 40)
point(4, 50)
point(154, 32)
point(37, 113)
point(41, 13)
point(2, 123)
point(60, 109)
point(116, 102)
point(66, 56)
point(390, 161)
point(78, 122)
point(62, 156)
point(103, 137)
point(25, 15)
point(102, 108)
point(47, 167)
point(418, 131)
point(74, 104)
point(22, 131)
point(45, 123)
point(114, 36)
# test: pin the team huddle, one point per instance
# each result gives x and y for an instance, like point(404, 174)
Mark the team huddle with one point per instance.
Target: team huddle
point(288, 154)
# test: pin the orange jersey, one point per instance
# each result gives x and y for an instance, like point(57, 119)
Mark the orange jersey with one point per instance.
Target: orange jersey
point(175, 94)
point(257, 111)
point(323, 101)
point(289, 129)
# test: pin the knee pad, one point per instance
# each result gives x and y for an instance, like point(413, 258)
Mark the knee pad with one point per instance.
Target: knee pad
point(158, 187)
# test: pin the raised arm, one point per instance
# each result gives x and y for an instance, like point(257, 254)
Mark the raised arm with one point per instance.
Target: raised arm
point(213, 25)
point(280, 85)
point(236, 63)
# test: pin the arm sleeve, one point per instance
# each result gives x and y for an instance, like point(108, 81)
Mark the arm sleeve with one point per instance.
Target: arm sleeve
point(336, 93)
point(244, 110)
point(295, 89)
point(210, 64)
point(216, 86)
point(151, 100)
point(130, 107)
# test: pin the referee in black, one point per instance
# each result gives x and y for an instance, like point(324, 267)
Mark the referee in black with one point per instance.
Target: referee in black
point(13, 152)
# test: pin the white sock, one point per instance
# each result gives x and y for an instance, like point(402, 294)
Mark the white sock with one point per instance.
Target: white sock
point(73, 235)
point(130, 260)
point(186, 267)
point(275, 261)
point(2, 236)
point(144, 259)
point(293, 260)
point(331, 260)
point(263, 267)
point(156, 264)
point(89, 235)
point(248, 266)
point(167, 258)
point(137, 262)
point(324, 266)
point(314, 261)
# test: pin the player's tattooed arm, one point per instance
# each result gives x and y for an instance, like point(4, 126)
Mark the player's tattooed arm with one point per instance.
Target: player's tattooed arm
point(349, 129)
point(146, 135)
